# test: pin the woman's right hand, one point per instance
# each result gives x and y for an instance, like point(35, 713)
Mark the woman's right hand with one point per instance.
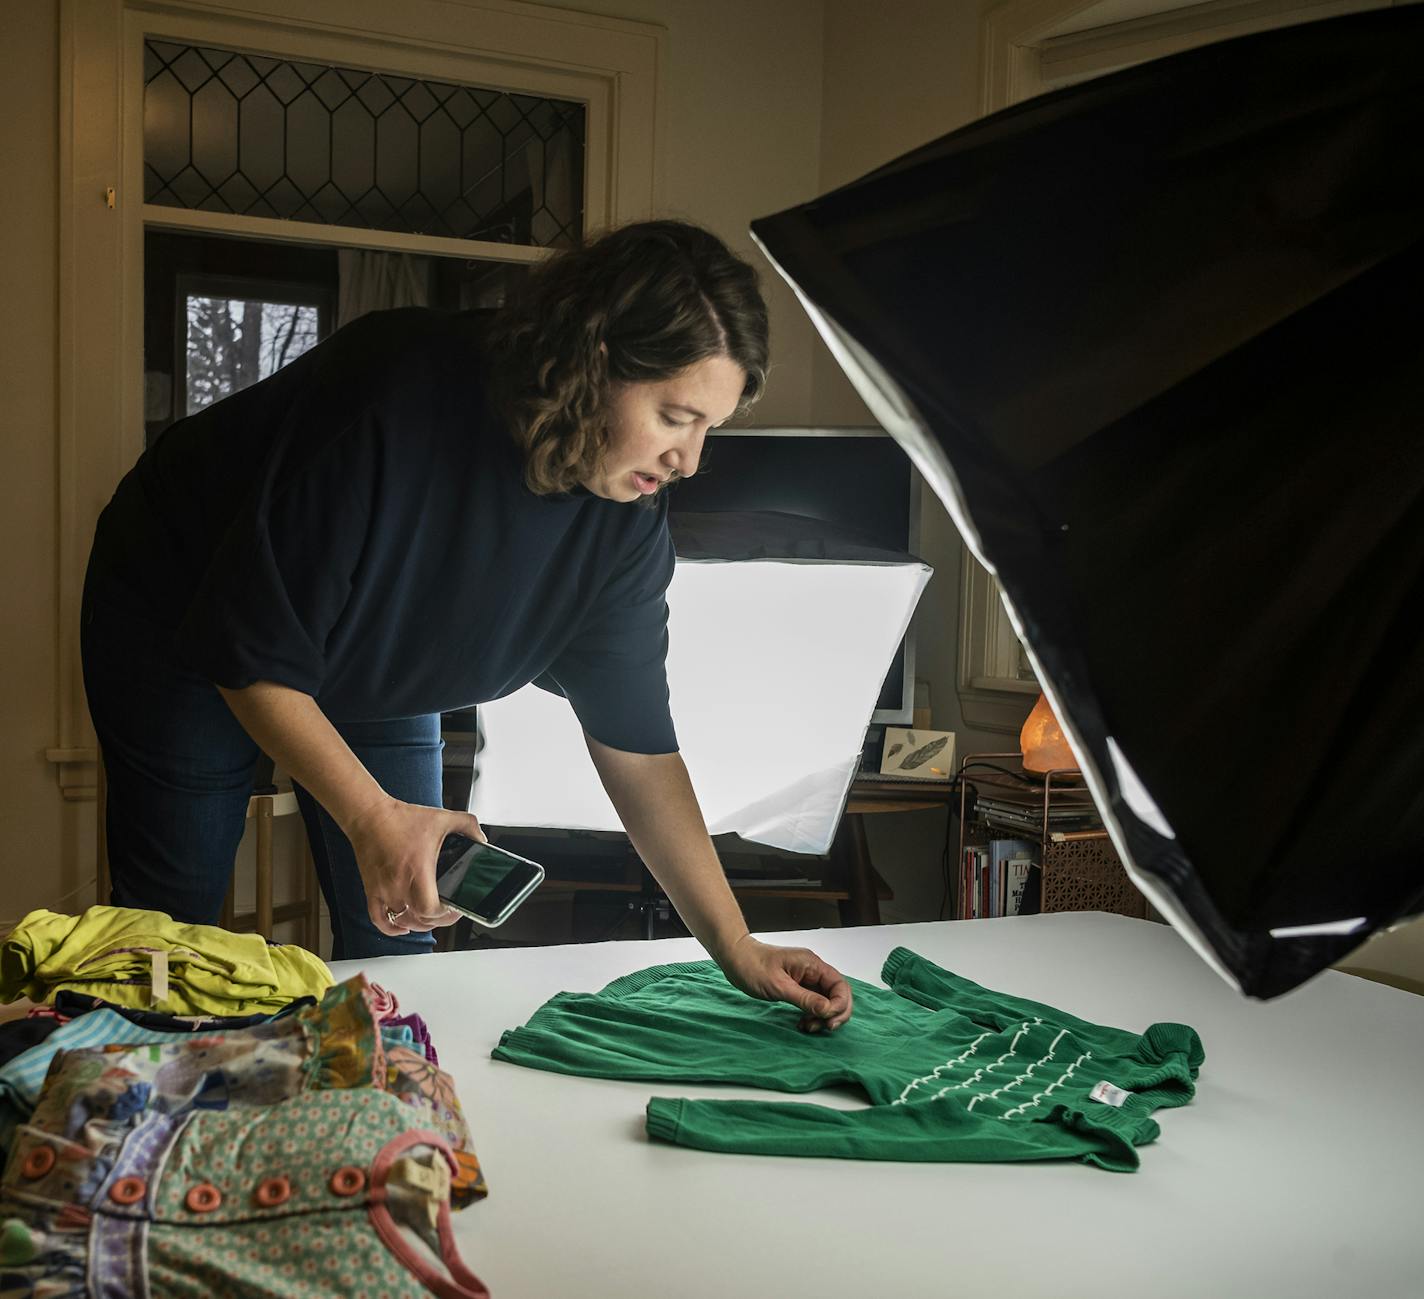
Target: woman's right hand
point(396, 845)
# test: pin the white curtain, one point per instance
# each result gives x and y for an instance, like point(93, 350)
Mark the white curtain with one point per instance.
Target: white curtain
point(372, 281)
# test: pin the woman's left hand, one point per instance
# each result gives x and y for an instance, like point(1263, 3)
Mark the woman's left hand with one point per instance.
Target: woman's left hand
point(791, 974)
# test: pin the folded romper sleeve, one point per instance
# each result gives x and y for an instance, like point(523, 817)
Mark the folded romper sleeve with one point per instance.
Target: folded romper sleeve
point(920, 1133)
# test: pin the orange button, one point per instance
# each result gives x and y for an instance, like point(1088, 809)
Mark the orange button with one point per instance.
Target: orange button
point(272, 1192)
point(347, 1181)
point(128, 1190)
point(38, 1162)
point(203, 1198)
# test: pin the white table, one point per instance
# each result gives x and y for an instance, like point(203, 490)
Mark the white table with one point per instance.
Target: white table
point(1297, 1171)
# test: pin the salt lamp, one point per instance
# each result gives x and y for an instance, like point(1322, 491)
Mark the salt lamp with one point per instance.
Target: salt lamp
point(1042, 742)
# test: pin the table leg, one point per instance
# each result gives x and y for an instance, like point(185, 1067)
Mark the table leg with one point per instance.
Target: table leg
point(103, 886)
point(311, 891)
point(852, 854)
point(263, 858)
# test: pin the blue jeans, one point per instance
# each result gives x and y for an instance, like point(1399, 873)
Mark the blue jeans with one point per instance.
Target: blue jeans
point(179, 771)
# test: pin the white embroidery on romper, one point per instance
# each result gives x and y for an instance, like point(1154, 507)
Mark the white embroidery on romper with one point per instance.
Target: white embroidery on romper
point(939, 1070)
point(1053, 1046)
point(1057, 1082)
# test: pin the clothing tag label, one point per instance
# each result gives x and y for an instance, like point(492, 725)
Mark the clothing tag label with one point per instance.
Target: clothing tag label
point(1108, 1094)
point(419, 1188)
point(158, 993)
point(432, 1179)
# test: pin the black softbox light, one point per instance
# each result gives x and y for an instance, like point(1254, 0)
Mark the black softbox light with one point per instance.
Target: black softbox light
point(1157, 342)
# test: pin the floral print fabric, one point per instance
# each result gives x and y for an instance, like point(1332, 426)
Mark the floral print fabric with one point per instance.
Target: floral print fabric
point(270, 1138)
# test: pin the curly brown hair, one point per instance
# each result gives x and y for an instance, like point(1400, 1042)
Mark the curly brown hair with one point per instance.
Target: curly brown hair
point(639, 303)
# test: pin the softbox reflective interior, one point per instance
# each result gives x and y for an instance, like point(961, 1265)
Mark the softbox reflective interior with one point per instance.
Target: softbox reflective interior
point(1155, 341)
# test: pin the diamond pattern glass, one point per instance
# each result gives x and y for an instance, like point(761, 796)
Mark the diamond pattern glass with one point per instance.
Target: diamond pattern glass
point(259, 136)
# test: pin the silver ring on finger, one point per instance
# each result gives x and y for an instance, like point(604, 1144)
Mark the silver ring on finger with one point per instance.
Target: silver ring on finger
point(394, 916)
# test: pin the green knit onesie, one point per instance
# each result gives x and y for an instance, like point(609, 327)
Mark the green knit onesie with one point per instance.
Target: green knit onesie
point(952, 1070)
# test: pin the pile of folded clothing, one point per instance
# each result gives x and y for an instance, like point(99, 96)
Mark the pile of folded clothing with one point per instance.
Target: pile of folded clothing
point(145, 959)
point(314, 1149)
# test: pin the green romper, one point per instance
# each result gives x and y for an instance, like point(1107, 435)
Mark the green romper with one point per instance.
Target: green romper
point(952, 1070)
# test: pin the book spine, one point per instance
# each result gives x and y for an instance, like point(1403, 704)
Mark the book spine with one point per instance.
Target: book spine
point(1018, 870)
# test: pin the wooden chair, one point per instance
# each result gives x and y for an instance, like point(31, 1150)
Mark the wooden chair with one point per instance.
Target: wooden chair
point(262, 808)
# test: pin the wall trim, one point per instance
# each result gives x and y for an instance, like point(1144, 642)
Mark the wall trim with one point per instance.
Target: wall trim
point(276, 230)
point(991, 695)
point(1077, 56)
point(1020, 55)
point(1011, 36)
point(77, 771)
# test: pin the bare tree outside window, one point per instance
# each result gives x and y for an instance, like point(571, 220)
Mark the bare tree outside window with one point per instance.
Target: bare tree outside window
point(234, 342)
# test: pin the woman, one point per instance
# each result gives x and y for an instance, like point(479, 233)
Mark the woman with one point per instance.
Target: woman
point(427, 511)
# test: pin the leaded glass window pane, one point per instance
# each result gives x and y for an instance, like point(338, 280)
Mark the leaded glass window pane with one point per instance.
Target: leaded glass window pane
point(256, 136)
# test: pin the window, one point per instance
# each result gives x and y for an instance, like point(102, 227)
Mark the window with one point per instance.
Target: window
point(256, 135)
point(235, 335)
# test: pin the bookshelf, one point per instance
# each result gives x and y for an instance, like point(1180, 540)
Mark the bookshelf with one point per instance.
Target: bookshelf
point(1079, 870)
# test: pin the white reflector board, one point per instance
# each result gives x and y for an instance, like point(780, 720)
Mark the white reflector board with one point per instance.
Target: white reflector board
point(774, 667)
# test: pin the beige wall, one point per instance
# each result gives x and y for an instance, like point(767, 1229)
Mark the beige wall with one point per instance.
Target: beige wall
point(896, 76)
point(742, 110)
point(41, 854)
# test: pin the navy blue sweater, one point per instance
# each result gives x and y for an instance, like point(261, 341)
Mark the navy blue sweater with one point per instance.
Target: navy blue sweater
point(356, 527)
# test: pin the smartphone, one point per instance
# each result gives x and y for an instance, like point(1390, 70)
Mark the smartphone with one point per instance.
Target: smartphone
point(483, 882)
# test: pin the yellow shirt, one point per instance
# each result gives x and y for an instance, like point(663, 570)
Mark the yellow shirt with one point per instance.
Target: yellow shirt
point(126, 955)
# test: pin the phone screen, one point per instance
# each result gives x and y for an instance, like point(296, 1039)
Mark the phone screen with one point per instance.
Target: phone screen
point(481, 880)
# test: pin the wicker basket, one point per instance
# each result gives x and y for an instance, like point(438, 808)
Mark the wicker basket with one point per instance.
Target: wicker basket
point(1086, 875)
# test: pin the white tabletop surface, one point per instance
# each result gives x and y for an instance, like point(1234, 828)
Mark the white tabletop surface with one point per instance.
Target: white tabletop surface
point(1297, 1171)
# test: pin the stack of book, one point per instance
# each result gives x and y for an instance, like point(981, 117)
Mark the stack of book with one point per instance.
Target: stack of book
point(994, 877)
point(1025, 817)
